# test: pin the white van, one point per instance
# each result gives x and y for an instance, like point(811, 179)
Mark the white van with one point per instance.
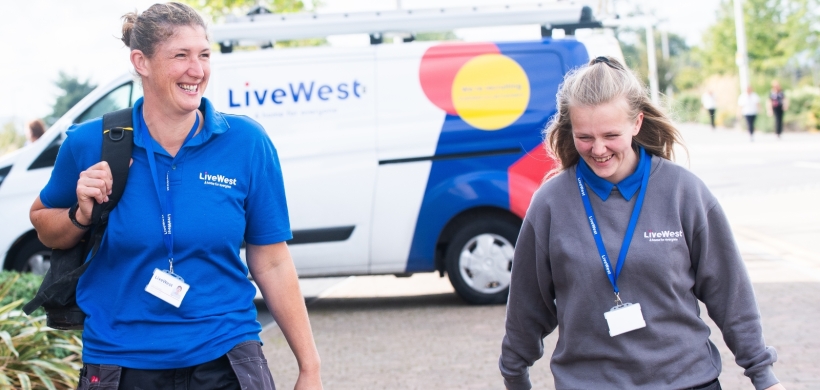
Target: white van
point(397, 159)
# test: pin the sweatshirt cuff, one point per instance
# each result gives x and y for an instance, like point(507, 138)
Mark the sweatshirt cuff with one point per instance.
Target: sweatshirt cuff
point(764, 378)
point(521, 382)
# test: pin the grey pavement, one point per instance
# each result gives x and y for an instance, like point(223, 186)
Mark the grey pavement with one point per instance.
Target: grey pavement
point(414, 333)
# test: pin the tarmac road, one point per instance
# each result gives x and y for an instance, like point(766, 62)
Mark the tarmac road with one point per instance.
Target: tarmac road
point(414, 333)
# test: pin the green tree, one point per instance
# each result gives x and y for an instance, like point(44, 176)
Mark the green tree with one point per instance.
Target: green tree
point(73, 91)
point(217, 10)
point(436, 36)
point(680, 61)
point(10, 138)
point(717, 53)
point(777, 32)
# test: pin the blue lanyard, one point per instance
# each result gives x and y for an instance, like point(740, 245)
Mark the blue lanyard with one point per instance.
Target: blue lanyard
point(630, 230)
point(165, 202)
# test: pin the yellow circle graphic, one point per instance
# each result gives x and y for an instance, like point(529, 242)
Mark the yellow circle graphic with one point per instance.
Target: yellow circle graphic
point(491, 91)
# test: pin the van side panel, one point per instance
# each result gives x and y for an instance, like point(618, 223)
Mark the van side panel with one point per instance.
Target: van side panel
point(399, 191)
point(408, 132)
point(527, 174)
point(318, 107)
point(477, 154)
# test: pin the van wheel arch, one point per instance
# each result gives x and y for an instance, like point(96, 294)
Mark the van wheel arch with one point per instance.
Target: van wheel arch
point(465, 217)
point(28, 242)
point(495, 221)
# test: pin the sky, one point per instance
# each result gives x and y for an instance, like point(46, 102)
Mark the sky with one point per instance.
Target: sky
point(43, 37)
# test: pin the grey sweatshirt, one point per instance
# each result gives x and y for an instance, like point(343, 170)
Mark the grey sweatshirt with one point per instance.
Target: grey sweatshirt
point(682, 251)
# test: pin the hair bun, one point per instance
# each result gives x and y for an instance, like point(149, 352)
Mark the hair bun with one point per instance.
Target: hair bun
point(145, 31)
point(128, 22)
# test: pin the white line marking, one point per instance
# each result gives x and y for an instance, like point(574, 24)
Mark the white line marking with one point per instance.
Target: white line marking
point(786, 256)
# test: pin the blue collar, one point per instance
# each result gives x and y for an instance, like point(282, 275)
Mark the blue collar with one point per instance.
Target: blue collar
point(627, 187)
point(214, 123)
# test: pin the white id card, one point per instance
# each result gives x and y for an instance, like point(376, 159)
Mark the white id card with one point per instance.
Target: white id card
point(167, 287)
point(624, 318)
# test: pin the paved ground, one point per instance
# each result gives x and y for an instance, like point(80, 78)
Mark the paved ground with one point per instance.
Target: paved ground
point(415, 333)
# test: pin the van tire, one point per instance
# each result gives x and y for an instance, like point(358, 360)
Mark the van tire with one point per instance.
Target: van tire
point(32, 257)
point(479, 259)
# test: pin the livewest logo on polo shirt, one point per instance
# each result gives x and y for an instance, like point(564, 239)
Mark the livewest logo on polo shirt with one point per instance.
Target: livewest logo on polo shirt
point(217, 180)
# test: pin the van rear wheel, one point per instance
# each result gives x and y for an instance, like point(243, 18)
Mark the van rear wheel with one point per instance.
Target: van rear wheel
point(479, 260)
point(33, 257)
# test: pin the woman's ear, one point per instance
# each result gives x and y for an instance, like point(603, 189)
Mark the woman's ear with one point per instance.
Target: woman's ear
point(140, 62)
point(638, 123)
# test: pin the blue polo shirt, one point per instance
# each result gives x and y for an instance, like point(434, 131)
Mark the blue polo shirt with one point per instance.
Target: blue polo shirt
point(628, 187)
point(227, 187)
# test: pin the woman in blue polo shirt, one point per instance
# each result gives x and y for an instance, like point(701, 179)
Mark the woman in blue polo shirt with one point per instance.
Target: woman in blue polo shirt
point(200, 183)
point(616, 250)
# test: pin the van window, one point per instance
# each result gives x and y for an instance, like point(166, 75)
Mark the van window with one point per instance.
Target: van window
point(122, 97)
point(48, 157)
point(115, 100)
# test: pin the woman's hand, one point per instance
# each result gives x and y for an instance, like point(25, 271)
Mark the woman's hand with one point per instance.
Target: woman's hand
point(776, 387)
point(54, 228)
point(309, 381)
point(93, 186)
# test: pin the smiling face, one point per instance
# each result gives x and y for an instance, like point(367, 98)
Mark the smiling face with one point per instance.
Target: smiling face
point(603, 137)
point(176, 75)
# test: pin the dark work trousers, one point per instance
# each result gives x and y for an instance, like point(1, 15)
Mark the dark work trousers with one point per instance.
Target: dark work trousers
point(712, 117)
point(243, 367)
point(778, 120)
point(750, 121)
point(713, 385)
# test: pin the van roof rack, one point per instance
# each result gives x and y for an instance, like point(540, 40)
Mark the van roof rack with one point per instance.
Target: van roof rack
point(266, 27)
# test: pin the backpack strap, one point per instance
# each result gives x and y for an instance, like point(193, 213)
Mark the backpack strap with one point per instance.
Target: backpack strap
point(117, 144)
point(118, 140)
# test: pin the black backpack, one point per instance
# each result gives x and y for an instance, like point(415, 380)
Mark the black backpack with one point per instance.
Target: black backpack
point(58, 293)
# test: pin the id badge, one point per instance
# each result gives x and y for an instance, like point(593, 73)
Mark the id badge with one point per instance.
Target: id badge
point(624, 318)
point(168, 287)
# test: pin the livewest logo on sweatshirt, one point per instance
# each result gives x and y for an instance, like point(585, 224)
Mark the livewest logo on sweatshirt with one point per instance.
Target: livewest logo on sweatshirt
point(663, 235)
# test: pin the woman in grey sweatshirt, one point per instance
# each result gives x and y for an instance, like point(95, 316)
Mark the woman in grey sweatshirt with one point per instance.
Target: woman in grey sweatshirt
point(617, 203)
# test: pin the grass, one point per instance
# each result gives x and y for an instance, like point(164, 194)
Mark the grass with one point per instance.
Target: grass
point(32, 355)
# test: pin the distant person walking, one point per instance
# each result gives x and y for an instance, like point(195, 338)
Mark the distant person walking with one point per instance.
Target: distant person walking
point(708, 102)
point(777, 105)
point(749, 104)
point(35, 130)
